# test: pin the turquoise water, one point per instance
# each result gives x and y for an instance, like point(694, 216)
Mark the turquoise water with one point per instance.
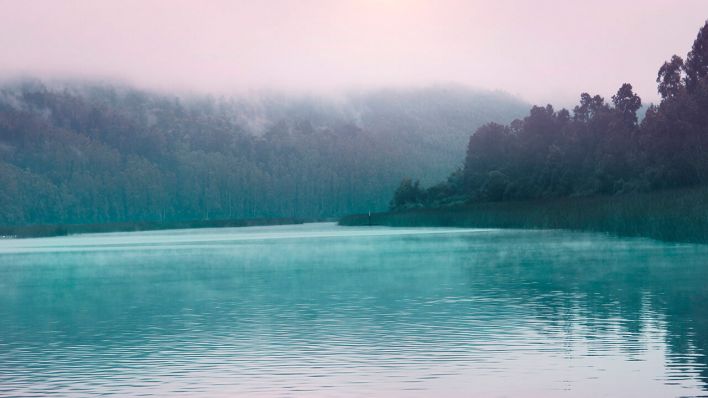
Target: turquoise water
point(322, 310)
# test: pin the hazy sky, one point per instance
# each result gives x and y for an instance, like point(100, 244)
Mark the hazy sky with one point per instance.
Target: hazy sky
point(541, 50)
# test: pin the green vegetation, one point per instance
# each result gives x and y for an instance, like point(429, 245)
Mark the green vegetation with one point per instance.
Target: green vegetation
point(671, 215)
point(44, 230)
point(74, 153)
point(597, 168)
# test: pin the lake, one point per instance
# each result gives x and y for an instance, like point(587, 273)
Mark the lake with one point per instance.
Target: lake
point(323, 310)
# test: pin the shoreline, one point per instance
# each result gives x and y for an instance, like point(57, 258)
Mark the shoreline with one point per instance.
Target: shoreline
point(672, 215)
point(51, 230)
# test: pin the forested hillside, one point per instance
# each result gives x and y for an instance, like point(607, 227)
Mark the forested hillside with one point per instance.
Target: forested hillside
point(93, 153)
point(600, 147)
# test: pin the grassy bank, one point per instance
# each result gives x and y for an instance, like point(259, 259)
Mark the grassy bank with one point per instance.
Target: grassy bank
point(674, 215)
point(34, 231)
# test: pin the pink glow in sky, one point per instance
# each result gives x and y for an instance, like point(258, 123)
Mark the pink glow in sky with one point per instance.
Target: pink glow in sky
point(541, 50)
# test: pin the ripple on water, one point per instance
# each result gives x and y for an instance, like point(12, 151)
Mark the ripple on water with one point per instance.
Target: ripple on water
point(333, 311)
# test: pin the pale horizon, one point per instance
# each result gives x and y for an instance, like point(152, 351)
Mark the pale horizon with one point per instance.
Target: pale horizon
point(541, 51)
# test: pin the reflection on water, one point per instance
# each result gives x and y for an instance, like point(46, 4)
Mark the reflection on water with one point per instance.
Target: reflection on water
point(325, 310)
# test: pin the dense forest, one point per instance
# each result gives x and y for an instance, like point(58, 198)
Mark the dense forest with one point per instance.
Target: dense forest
point(73, 152)
point(599, 148)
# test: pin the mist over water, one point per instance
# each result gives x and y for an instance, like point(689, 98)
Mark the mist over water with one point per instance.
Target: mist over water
point(323, 310)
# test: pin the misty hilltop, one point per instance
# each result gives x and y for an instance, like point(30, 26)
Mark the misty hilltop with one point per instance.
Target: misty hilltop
point(90, 153)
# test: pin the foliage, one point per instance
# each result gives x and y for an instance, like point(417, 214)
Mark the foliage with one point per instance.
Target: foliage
point(408, 192)
point(87, 153)
point(600, 149)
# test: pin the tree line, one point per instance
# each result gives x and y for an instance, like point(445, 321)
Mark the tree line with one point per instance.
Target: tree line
point(598, 148)
point(98, 153)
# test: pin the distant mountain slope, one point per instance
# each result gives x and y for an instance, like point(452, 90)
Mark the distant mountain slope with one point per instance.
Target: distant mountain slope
point(82, 153)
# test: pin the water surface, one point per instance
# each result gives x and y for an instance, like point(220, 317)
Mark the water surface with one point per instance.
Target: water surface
point(322, 310)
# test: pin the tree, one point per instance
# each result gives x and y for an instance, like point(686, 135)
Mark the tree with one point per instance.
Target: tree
point(697, 59)
point(486, 151)
point(408, 194)
point(670, 77)
point(495, 185)
point(627, 103)
point(589, 107)
point(600, 150)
